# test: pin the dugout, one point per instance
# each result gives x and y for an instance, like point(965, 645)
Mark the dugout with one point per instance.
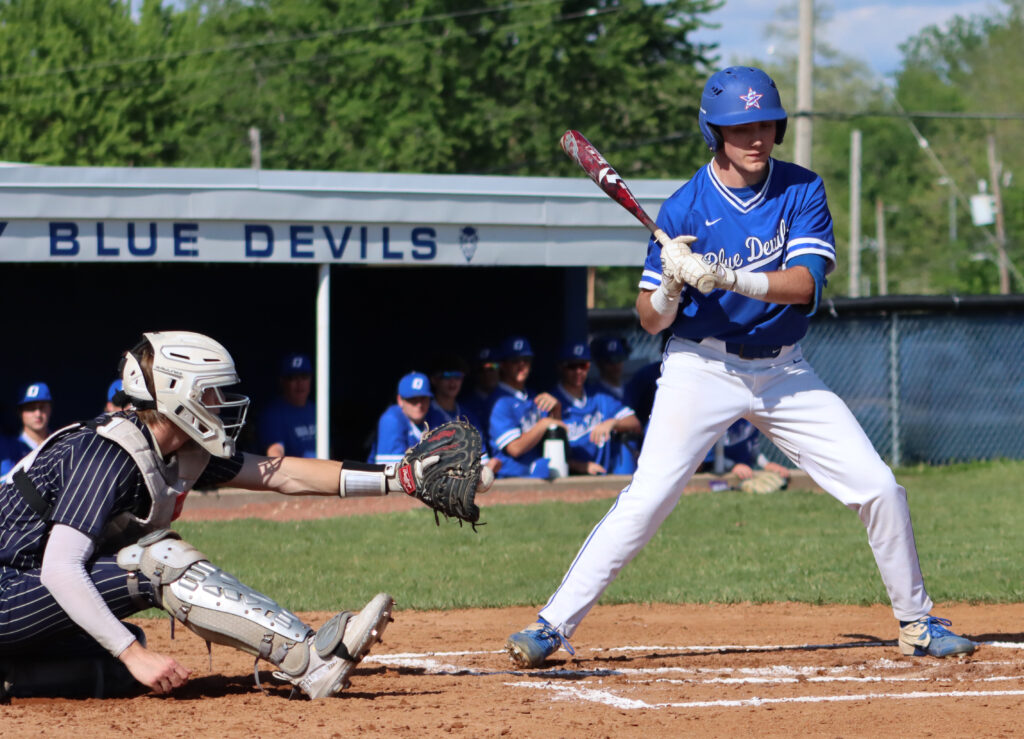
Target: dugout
point(369, 273)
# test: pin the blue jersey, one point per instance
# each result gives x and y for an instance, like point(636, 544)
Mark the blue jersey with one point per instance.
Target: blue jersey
point(739, 445)
point(437, 415)
point(640, 389)
point(294, 427)
point(395, 434)
point(513, 412)
point(9, 455)
point(478, 405)
point(581, 415)
point(600, 386)
point(761, 229)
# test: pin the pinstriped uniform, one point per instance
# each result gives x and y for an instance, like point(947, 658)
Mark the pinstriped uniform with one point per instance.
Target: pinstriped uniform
point(88, 480)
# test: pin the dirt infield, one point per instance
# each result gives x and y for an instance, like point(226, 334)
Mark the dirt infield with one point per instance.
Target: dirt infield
point(640, 670)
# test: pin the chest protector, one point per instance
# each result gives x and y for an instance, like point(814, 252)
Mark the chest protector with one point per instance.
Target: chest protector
point(164, 481)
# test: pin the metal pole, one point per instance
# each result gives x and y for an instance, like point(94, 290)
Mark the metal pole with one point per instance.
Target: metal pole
point(805, 86)
point(323, 363)
point(894, 388)
point(255, 148)
point(718, 466)
point(854, 289)
point(994, 173)
point(952, 214)
point(883, 268)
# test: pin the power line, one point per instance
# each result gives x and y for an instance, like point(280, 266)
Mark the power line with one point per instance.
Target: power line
point(845, 115)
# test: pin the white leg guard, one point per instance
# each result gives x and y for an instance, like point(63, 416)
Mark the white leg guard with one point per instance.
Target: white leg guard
point(214, 604)
point(222, 610)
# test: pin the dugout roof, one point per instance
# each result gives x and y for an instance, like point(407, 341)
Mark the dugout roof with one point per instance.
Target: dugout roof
point(138, 215)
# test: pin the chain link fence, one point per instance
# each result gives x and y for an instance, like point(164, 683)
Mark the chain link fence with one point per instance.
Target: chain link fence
point(932, 380)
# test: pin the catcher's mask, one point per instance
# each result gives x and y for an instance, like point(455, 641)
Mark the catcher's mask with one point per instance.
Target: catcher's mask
point(189, 372)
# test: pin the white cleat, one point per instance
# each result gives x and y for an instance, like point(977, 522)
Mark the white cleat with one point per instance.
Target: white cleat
point(341, 644)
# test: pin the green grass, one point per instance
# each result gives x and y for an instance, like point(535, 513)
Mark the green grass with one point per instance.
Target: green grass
point(723, 547)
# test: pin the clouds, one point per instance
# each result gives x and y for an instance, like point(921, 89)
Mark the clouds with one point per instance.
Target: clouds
point(871, 32)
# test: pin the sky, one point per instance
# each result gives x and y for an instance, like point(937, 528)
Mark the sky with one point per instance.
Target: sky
point(870, 31)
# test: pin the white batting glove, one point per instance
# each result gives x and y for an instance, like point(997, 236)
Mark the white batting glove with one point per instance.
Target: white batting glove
point(751, 284)
point(696, 273)
point(725, 278)
point(672, 255)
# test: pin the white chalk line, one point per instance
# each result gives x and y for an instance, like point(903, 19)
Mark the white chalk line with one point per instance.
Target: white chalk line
point(779, 647)
point(429, 663)
point(610, 699)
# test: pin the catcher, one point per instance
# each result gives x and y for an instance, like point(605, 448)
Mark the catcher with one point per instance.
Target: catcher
point(85, 538)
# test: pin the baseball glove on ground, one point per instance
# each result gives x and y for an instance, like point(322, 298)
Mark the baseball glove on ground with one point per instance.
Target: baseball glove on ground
point(444, 471)
point(763, 481)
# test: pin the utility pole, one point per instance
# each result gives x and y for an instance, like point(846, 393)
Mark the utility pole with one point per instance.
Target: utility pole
point(855, 213)
point(995, 174)
point(805, 86)
point(883, 268)
point(255, 149)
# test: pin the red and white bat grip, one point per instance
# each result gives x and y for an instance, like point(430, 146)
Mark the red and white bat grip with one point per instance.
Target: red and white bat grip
point(706, 283)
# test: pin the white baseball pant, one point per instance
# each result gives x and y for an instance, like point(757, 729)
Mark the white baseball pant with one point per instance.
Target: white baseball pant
point(701, 392)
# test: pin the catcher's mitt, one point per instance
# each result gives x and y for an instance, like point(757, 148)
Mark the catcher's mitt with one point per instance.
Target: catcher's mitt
point(444, 471)
point(763, 481)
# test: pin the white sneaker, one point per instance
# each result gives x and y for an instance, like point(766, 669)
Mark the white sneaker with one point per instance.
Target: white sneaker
point(340, 644)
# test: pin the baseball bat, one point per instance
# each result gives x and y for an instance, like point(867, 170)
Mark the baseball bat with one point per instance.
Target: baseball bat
point(603, 174)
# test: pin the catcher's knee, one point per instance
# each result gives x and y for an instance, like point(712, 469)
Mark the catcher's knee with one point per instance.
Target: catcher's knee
point(214, 604)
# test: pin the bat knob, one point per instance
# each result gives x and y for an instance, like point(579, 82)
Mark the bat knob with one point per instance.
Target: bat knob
point(706, 284)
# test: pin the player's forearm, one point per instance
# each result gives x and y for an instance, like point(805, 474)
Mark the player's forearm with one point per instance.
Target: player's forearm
point(528, 440)
point(288, 475)
point(63, 573)
point(793, 286)
point(652, 321)
point(629, 425)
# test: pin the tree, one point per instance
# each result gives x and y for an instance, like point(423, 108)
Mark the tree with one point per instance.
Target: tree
point(84, 84)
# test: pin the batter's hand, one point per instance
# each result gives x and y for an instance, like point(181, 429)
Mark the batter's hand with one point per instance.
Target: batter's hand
point(156, 671)
point(725, 279)
point(672, 256)
point(693, 269)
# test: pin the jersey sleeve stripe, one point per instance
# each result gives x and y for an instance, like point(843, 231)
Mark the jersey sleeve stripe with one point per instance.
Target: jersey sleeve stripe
point(650, 279)
point(507, 438)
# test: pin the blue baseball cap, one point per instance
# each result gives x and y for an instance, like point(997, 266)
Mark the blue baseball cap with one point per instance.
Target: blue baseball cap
point(414, 385)
point(115, 387)
point(514, 347)
point(610, 349)
point(574, 351)
point(37, 392)
point(296, 364)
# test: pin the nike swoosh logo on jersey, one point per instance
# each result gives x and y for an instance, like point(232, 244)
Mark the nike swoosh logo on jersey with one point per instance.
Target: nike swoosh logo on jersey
point(711, 223)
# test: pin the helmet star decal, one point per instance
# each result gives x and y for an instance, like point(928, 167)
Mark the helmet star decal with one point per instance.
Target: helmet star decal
point(751, 99)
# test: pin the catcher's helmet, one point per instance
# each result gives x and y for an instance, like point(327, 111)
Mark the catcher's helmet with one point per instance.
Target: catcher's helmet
point(738, 95)
point(189, 370)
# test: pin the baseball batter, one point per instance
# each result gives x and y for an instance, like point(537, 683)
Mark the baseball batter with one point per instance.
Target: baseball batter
point(84, 537)
point(762, 228)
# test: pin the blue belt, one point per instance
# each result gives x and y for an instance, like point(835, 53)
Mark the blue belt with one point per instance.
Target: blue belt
point(747, 351)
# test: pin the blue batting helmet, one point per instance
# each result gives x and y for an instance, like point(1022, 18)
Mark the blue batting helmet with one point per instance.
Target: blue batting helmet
point(738, 95)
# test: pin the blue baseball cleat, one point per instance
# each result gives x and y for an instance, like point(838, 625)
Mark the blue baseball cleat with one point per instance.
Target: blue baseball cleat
point(534, 644)
point(929, 636)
